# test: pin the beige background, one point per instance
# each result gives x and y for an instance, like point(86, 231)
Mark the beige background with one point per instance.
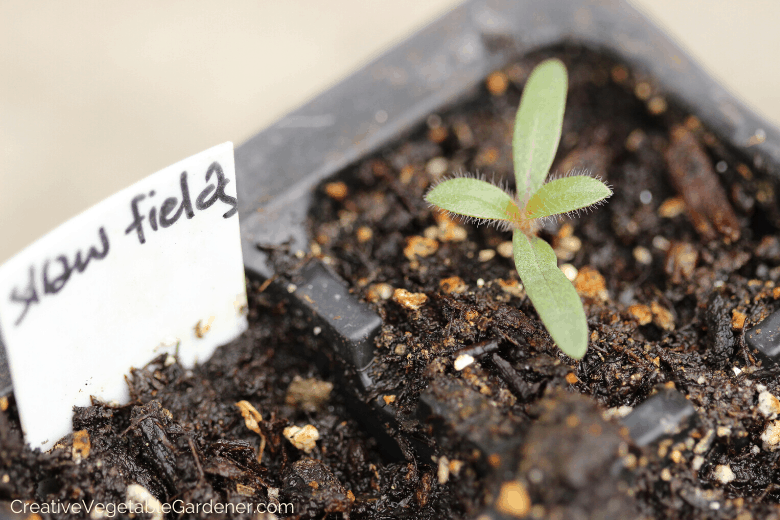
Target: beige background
point(95, 95)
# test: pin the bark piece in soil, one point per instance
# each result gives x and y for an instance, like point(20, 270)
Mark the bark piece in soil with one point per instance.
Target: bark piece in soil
point(720, 339)
point(665, 414)
point(694, 177)
point(313, 480)
point(765, 338)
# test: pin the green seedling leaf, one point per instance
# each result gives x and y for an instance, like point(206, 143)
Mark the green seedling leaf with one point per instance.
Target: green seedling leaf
point(473, 198)
point(552, 294)
point(536, 135)
point(565, 195)
point(538, 126)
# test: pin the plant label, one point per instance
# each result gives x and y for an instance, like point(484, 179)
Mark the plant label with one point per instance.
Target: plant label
point(154, 269)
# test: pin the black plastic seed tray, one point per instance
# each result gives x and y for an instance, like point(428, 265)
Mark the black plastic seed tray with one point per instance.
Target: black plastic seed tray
point(279, 168)
point(665, 414)
point(765, 338)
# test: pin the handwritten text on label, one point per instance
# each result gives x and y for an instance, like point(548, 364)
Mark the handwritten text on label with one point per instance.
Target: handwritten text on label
point(56, 273)
point(156, 267)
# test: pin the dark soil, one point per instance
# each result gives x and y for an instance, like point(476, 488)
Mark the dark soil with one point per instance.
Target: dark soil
point(670, 280)
point(665, 289)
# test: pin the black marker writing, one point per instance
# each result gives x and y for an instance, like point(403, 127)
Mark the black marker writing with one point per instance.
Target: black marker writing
point(166, 219)
point(137, 218)
point(55, 275)
point(29, 297)
point(153, 214)
point(171, 210)
point(220, 194)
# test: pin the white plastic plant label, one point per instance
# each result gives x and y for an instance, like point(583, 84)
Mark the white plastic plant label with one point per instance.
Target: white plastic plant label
point(155, 268)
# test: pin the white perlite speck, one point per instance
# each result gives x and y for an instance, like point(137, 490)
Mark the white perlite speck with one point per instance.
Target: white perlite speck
point(139, 495)
point(723, 474)
point(463, 361)
point(443, 472)
point(771, 436)
point(704, 444)
point(302, 438)
point(768, 405)
point(436, 166)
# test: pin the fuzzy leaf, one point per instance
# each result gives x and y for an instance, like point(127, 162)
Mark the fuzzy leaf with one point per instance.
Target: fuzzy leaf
point(472, 198)
point(538, 126)
point(552, 294)
point(566, 194)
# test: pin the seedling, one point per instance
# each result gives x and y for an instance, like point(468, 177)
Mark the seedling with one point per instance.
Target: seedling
point(536, 135)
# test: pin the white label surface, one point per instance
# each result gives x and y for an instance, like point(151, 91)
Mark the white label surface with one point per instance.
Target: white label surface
point(154, 266)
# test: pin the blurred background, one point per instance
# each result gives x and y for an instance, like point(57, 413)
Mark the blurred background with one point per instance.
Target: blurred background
point(95, 95)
